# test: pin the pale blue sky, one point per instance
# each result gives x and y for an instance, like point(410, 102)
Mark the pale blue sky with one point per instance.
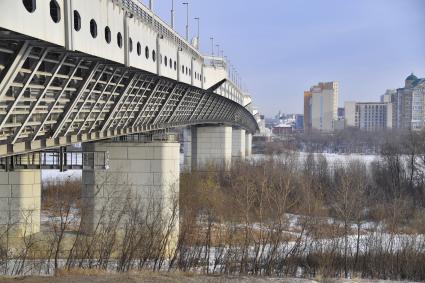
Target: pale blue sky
point(282, 47)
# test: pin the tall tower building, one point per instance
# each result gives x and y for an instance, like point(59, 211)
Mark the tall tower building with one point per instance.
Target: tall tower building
point(409, 104)
point(321, 106)
point(307, 111)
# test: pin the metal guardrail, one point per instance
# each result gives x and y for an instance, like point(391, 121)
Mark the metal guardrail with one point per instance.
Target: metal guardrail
point(57, 160)
point(146, 138)
point(156, 24)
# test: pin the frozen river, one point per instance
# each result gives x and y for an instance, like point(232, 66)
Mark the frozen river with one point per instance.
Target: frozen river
point(331, 158)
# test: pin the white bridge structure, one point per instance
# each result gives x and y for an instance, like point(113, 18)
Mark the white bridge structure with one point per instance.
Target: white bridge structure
point(103, 73)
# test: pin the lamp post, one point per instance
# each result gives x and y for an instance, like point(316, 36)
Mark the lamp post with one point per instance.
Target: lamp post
point(212, 46)
point(198, 19)
point(187, 20)
point(218, 49)
point(172, 14)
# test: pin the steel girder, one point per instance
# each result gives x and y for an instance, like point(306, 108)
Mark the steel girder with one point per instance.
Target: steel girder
point(51, 97)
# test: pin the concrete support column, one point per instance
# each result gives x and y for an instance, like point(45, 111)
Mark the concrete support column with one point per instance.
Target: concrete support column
point(238, 144)
point(187, 149)
point(211, 145)
point(20, 201)
point(144, 175)
point(248, 145)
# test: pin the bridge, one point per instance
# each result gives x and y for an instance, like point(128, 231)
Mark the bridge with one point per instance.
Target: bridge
point(106, 74)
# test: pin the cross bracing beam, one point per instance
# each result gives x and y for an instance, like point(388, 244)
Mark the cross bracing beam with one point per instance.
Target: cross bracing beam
point(141, 93)
point(41, 96)
point(122, 95)
point(72, 97)
point(28, 80)
point(75, 99)
point(105, 105)
point(98, 99)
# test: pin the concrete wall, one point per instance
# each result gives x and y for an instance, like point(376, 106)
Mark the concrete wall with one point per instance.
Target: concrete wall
point(211, 145)
point(39, 24)
point(20, 201)
point(140, 173)
point(238, 144)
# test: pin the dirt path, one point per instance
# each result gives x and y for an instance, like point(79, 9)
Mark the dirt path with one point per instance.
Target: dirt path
point(170, 278)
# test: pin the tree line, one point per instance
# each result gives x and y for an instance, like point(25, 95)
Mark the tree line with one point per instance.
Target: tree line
point(280, 216)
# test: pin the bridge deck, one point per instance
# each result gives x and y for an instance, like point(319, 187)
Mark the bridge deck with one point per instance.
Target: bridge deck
point(51, 97)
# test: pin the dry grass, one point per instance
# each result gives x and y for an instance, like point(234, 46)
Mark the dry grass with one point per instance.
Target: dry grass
point(136, 277)
point(55, 191)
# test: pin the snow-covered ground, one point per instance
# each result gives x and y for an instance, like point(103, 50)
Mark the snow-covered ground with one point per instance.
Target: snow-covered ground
point(332, 158)
point(57, 175)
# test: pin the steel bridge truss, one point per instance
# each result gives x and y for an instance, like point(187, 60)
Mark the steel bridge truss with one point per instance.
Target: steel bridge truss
point(51, 97)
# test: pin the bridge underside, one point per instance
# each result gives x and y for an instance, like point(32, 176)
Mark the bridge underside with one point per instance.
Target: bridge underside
point(52, 97)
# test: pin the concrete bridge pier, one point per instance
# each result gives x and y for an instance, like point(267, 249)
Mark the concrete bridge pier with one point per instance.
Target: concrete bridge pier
point(187, 149)
point(142, 175)
point(248, 145)
point(211, 145)
point(238, 144)
point(20, 202)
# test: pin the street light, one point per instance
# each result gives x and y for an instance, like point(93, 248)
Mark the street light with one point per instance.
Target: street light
point(172, 14)
point(198, 19)
point(212, 46)
point(187, 20)
point(218, 49)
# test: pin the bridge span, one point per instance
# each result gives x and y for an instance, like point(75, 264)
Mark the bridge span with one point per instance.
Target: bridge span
point(100, 73)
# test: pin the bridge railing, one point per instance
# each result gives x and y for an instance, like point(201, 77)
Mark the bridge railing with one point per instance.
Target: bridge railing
point(135, 7)
point(57, 160)
point(146, 138)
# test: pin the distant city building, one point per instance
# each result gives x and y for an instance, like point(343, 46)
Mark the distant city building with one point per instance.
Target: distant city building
point(321, 107)
point(388, 95)
point(409, 104)
point(339, 124)
point(341, 113)
point(282, 130)
point(299, 121)
point(369, 116)
point(307, 111)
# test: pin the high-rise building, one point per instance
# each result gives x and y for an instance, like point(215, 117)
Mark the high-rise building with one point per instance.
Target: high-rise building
point(388, 95)
point(409, 104)
point(369, 116)
point(307, 111)
point(321, 107)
